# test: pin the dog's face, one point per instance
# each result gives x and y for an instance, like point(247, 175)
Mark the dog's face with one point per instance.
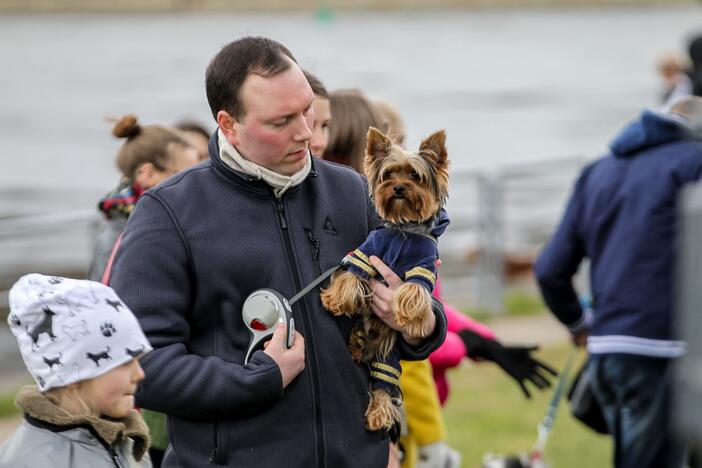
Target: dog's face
point(407, 186)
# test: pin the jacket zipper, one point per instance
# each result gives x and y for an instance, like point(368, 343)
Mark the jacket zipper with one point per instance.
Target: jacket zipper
point(214, 459)
point(309, 340)
point(314, 250)
point(113, 455)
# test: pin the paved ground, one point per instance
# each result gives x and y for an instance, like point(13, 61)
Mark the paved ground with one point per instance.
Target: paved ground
point(7, 426)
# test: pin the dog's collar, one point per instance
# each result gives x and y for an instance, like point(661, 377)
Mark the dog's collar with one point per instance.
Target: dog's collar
point(420, 229)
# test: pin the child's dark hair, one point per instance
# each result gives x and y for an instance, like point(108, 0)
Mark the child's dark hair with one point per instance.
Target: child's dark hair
point(147, 144)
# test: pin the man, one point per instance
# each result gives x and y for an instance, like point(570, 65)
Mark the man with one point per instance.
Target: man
point(261, 213)
point(622, 217)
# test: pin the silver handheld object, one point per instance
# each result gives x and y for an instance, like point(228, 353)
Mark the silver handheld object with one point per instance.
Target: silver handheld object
point(262, 311)
point(264, 308)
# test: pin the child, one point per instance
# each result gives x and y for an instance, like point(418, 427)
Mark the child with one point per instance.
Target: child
point(80, 343)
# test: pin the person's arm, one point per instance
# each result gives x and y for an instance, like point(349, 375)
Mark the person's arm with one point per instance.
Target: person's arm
point(153, 274)
point(558, 263)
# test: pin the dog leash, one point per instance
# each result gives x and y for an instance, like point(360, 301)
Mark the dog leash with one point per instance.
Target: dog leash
point(313, 284)
point(545, 426)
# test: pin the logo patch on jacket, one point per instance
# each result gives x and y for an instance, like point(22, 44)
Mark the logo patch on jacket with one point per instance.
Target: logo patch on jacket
point(329, 227)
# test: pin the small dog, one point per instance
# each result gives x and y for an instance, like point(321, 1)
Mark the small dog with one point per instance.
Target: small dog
point(409, 190)
point(45, 324)
point(95, 357)
point(72, 331)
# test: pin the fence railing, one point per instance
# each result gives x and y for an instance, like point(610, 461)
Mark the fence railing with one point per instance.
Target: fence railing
point(510, 209)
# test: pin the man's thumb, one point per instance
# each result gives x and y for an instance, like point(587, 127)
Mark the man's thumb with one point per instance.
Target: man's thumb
point(279, 332)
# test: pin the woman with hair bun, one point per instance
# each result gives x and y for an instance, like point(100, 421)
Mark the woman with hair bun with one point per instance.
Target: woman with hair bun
point(149, 155)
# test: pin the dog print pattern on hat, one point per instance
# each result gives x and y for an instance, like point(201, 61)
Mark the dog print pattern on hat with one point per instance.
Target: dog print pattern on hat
point(70, 330)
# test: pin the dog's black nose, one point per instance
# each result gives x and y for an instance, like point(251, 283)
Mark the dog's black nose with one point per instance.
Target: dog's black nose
point(399, 189)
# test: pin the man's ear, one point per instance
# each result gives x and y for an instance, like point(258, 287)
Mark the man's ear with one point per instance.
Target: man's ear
point(229, 126)
point(434, 146)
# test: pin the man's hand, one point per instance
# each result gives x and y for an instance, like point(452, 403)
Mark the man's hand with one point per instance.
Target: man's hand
point(516, 361)
point(290, 361)
point(382, 299)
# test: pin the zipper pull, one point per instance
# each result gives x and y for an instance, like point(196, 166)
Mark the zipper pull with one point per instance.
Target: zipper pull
point(315, 243)
point(281, 213)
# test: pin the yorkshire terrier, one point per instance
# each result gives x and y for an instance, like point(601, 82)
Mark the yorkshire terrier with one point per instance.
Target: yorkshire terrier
point(409, 189)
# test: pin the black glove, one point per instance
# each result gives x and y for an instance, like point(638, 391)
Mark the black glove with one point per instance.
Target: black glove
point(515, 360)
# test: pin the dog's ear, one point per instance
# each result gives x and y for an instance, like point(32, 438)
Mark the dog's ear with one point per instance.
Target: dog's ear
point(378, 145)
point(434, 146)
point(433, 150)
point(377, 149)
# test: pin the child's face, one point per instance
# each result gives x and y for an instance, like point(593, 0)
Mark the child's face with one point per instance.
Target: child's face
point(112, 394)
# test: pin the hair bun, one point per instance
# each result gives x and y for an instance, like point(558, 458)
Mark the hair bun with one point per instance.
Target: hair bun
point(126, 127)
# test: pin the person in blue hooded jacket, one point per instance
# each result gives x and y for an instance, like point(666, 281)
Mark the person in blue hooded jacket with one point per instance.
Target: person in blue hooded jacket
point(622, 217)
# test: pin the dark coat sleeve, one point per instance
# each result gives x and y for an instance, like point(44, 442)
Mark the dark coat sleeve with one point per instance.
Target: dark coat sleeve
point(558, 263)
point(432, 342)
point(153, 274)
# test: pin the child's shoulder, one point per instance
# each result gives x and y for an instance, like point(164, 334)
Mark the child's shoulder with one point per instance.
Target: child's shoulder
point(30, 446)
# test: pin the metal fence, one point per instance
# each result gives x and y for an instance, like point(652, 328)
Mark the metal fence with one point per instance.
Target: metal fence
point(512, 209)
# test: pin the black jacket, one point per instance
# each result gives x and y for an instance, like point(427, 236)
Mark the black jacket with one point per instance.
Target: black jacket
point(192, 251)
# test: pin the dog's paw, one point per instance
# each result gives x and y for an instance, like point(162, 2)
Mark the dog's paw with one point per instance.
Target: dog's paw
point(411, 306)
point(382, 412)
point(347, 294)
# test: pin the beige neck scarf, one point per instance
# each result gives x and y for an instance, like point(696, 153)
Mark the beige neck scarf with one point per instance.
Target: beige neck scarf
point(280, 183)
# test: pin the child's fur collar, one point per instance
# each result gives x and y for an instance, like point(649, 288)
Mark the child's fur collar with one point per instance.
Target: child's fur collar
point(38, 406)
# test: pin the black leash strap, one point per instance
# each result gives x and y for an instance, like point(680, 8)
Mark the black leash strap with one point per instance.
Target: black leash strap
point(313, 284)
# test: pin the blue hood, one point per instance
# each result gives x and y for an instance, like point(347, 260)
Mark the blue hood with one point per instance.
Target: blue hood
point(441, 223)
point(650, 129)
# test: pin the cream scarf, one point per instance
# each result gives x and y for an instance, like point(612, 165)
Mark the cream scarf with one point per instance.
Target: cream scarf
point(280, 183)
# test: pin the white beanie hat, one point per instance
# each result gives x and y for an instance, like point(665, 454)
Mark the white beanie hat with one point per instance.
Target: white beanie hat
point(70, 330)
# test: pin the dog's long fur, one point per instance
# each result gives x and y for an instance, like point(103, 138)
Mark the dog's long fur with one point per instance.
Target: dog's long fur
point(408, 189)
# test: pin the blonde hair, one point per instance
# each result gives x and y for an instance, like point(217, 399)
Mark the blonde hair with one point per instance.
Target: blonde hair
point(352, 115)
point(68, 399)
point(393, 121)
point(145, 144)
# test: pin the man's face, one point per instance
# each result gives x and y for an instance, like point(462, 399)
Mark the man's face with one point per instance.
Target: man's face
point(277, 125)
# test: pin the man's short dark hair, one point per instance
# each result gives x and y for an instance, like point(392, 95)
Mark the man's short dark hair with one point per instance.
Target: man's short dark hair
point(236, 61)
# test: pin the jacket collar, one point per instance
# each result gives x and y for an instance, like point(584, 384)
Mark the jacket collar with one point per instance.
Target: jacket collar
point(248, 181)
point(40, 411)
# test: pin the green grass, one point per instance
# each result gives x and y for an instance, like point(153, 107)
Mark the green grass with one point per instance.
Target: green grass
point(519, 304)
point(516, 304)
point(487, 413)
point(7, 406)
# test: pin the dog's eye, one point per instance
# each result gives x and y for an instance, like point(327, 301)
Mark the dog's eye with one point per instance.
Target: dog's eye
point(385, 176)
point(414, 175)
